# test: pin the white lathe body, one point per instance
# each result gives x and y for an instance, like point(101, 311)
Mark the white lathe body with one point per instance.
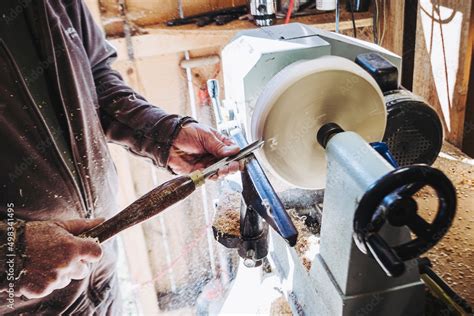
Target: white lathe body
point(346, 278)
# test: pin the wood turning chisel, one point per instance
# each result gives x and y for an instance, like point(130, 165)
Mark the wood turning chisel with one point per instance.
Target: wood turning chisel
point(162, 197)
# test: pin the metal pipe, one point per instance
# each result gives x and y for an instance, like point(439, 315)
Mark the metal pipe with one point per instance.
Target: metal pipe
point(200, 61)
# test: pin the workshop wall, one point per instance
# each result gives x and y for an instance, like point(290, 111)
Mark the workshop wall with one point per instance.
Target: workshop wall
point(142, 13)
point(443, 60)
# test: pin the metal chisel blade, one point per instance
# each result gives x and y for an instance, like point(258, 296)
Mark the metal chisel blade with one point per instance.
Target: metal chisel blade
point(243, 153)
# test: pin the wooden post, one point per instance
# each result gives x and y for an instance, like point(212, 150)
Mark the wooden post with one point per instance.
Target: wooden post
point(468, 139)
point(394, 27)
point(409, 42)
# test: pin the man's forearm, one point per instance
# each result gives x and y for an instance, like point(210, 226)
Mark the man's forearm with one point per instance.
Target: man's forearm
point(127, 118)
point(130, 120)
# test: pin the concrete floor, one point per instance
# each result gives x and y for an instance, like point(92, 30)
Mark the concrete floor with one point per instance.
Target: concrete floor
point(453, 257)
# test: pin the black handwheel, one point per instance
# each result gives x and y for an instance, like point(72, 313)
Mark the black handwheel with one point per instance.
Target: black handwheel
point(390, 199)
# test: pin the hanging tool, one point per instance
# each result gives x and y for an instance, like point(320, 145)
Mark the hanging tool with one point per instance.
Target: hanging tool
point(263, 12)
point(162, 197)
point(219, 16)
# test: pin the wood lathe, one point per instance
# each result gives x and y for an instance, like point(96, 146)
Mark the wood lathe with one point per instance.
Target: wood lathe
point(336, 123)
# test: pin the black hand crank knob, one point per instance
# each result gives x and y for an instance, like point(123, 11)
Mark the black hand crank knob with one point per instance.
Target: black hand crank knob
point(390, 199)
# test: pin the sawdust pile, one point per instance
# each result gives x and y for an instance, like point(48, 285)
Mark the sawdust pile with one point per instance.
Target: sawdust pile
point(280, 307)
point(307, 243)
point(453, 256)
point(227, 216)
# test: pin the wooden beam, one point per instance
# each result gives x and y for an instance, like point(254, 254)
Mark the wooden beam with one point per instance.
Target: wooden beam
point(169, 42)
point(146, 12)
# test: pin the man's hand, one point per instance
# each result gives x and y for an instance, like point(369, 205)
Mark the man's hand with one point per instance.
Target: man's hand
point(55, 256)
point(198, 146)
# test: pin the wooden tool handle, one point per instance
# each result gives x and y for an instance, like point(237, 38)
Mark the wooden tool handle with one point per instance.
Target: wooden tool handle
point(149, 205)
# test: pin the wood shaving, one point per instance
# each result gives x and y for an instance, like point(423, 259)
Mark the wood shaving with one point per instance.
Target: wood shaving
point(227, 216)
point(280, 307)
point(307, 263)
point(305, 238)
point(227, 222)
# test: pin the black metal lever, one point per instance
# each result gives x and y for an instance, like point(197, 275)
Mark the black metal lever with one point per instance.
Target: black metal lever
point(386, 257)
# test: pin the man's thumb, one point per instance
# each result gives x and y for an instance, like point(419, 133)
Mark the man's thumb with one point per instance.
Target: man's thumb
point(78, 226)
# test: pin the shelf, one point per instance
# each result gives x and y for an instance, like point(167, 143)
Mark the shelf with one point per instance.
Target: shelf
point(161, 39)
point(326, 19)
